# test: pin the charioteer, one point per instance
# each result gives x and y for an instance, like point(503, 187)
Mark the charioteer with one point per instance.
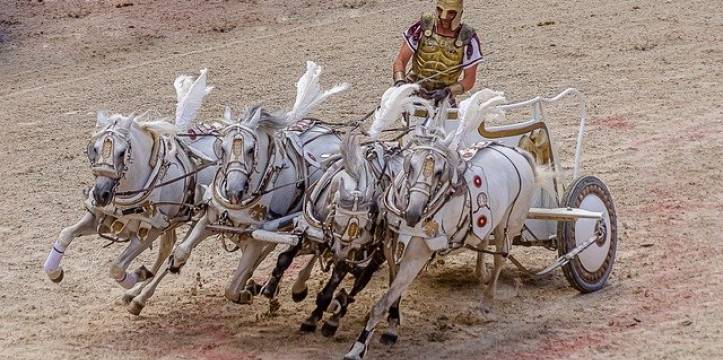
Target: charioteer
point(441, 49)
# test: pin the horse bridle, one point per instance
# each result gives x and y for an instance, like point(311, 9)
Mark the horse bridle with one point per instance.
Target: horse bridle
point(104, 164)
point(437, 196)
point(270, 173)
point(236, 161)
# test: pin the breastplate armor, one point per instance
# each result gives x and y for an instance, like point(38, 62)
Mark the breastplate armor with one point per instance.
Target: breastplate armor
point(437, 53)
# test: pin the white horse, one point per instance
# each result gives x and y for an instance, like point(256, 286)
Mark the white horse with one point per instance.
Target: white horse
point(444, 200)
point(269, 163)
point(342, 216)
point(145, 185)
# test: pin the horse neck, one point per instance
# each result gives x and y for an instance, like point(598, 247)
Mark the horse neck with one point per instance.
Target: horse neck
point(138, 170)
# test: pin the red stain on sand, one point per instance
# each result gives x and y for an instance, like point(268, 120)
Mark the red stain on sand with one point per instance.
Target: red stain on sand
point(617, 122)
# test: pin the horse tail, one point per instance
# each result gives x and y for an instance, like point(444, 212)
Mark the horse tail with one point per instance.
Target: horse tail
point(542, 173)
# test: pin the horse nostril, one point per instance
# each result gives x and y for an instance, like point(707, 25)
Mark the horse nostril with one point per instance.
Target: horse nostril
point(413, 219)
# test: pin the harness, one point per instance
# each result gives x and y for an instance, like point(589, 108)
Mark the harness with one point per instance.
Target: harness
point(137, 204)
point(354, 220)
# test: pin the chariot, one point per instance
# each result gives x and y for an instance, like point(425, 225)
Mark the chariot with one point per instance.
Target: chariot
point(571, 214)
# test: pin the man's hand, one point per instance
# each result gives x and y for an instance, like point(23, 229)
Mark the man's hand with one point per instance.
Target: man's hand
point(439, 94)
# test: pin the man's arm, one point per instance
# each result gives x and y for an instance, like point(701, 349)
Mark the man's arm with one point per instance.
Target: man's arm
point(469, 77)
point(399, 66)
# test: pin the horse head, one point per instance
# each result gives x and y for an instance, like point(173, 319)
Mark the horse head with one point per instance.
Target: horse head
point(429, 168)
point(245, 146)
point(354, 206)
point(110, 155)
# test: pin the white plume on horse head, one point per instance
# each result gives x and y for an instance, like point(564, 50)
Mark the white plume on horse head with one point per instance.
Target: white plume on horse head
point(395, 102)
point(190, 94)
point(309, 93)
point(480, 107)
point(434, 126)
point(101, 119)
point(352, 156)
point(228, 116)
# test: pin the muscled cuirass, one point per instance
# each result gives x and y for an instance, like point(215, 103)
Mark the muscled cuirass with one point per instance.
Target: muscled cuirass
point(436, 53)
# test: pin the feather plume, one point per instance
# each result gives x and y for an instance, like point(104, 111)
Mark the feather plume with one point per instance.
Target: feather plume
point(352, 156)
point(190, 95)
point(309, 93)
point(478, 108)
point(395, 101)
point(228, 115)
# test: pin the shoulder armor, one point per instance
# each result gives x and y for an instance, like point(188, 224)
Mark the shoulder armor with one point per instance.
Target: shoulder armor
point(427, 22)
point(465, 34)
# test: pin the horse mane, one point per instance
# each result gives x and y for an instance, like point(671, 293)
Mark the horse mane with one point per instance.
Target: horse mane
point(351, 155)
point(257, 117)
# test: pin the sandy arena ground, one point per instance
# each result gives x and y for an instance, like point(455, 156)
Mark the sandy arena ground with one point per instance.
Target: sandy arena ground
point(652, 71)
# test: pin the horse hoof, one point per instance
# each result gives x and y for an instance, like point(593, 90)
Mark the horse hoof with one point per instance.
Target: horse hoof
point(143, 273)
point(274, 306)
point(357, 352)
point(245, 297)
point(230, 296)
point(127, 298)
point(270, 289)
point(334, 307)
point(307, 327)
point(389, 339)
point(328, 330)
point(175, 269)
point(135, 308)
point(298, 297)
point(57, 278)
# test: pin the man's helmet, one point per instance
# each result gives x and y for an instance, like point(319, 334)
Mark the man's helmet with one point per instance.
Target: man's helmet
point(451, 5)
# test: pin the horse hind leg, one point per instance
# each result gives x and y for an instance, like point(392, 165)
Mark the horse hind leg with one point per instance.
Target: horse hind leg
point(499, 262)
point(164, 250)
point(148, 288)
point(135, 247)
point(85, 226)
point(480, 270)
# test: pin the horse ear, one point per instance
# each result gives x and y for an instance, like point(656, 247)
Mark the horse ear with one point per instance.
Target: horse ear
point(227, 115)
point(126, 122)
point(255, 117)
point(101, 119)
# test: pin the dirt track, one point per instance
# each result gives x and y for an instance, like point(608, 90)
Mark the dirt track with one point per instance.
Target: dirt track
point(652, 72)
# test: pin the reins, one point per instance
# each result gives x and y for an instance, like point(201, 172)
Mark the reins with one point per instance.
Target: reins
point(171, 181)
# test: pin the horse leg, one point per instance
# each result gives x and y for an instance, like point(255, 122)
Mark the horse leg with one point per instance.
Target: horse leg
point(323, 299)
point(85, 226)
point(194, 237)
point(480, 270)
point(135, 247)
point(415, 257)
point(241, 288)
point(299, 290)
point(342, 300)
point(164, 250)
point(271, 288)
point(149, 287)
point(491, 288)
